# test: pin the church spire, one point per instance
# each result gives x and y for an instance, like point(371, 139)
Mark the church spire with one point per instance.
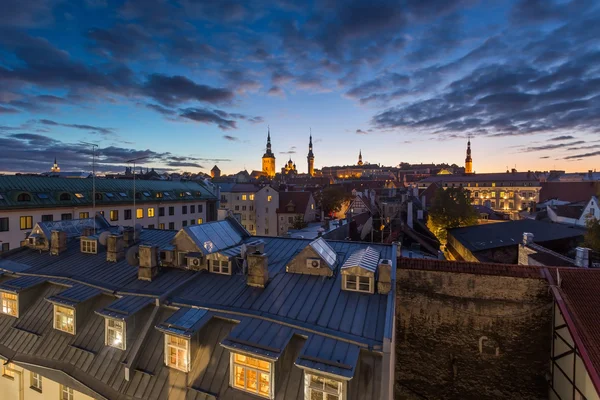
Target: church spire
point(311, 157)
point(360, 161)
point(468, 159)
point(268, 159)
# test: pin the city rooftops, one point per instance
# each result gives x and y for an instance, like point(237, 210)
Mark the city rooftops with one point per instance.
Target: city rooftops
point(497, 178)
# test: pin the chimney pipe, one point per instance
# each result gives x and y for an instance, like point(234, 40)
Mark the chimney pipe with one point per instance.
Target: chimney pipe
point(258, 269)
point(527, 238)
point(582, 257)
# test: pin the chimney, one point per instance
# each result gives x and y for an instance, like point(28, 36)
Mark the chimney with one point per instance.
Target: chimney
point(527, 238)
point(258, 271)
point(58, 242)
point(582, 257)
point(148, 267)
point(114, 248)
point(128, 235)
point(384, 276)
point(409, 214)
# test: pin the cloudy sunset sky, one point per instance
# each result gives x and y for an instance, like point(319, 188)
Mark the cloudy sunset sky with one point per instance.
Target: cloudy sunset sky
point(194, 83)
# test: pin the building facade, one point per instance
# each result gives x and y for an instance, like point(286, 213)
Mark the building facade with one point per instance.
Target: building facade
point(268, 159)
point(27, 200)
point(293, 207)
point(254, 206)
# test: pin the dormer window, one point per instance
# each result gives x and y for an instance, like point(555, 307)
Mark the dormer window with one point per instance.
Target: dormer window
point(177, 352)
point(115, 333)
point(79, 195)
point(89, 246)
point(24, 197)
point(64, 319)
point(219, 266)
point(65, 197)
point(122, 194)
point(10, 304)
point(358, 283)
point(319, 387)
point(251, 375)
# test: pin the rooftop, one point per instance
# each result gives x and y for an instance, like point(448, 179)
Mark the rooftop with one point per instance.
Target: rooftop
point(569, 191)
point(294, 202)
point(491, 177)
point(490, 236)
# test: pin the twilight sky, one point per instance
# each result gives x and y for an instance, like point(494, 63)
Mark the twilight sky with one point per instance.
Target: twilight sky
point(191, 83)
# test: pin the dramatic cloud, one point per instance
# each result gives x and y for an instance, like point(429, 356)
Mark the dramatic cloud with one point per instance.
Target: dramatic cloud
point(585, 155)
point(231, 138)
point(97, 129)
point(174, 90)
point(565, 137)
point(6, 110)
point(551, 146)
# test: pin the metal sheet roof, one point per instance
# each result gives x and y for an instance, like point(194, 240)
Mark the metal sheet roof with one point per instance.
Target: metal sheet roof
point(214, 236)
point(261, 337)
point(325, 251)
point(365, 258)
point(73, 227)
point(125, 306)
point(74, 295)
point(185, 321)
point(21, 283)
point(329, 355)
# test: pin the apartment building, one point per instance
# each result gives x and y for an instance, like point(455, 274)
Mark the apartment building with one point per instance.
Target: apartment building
point(203, 313)
point(255, 207)
point(295, 206)
point(27, 200)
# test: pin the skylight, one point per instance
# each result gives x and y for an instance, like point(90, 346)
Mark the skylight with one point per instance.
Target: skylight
point(166, 193)
point(79, 195)
point(122, 194)
point(42, 195)
point(146, 194)
point(109, 195)
point(188, 193)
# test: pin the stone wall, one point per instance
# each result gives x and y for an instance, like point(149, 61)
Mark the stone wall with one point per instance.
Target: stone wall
point(467, 336)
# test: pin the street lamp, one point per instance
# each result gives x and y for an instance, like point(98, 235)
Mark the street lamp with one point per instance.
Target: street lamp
point(133, 160)
point(94, 145)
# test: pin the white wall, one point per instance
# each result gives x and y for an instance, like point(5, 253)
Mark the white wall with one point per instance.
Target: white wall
point(259, 214)
point(14, 235)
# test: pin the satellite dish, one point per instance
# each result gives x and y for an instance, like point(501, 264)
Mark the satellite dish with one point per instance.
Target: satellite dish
point(132, 256)
point(104, 237)
point(121, 229)
point(138, 227)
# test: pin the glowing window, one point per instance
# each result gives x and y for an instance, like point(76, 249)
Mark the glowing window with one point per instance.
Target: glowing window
point(79, 195)
point(200, 220)
point(10, 304)
point(244, 197)
point(8, 370)
point(139, 213)
point(251, 197)
point(84, 215)
point(115, 333)
point(319, 387)
point(177, 353)
point(269, 198)
point(89, 246)
point(64, 319)
point(251, 375)
point(114, 215)
point(151, 212)
point(26, 222)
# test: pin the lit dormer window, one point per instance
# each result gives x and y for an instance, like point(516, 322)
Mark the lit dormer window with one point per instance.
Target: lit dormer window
point(319, 387)
point(10, 304)
point(177, 352)
point(115, 333)
point(219, 266)
point(79, 195)
point(64, 319)
point(358, 283)
point(251, 375)
point(89, 246)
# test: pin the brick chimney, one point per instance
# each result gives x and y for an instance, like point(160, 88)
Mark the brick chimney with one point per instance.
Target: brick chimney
point(258, 269)
point(582, 257)
point(58, 242)
point(384, 276)
point(115, 248)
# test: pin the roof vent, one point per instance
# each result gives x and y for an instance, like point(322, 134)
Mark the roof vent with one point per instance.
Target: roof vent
point(58, 242)
point(258, 269)
point(114, 248)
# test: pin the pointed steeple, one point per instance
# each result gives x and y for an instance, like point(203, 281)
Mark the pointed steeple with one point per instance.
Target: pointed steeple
point(360, 161)
point(468, 159)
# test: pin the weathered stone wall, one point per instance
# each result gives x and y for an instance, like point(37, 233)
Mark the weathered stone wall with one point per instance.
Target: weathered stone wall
point(466, 336)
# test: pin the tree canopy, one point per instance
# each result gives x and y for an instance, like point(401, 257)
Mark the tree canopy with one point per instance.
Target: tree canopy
point(451, 208)
point(332, 198)
point(592, 236)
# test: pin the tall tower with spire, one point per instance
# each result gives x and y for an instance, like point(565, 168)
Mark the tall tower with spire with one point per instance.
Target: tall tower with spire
point(360, 162)
point(268, 159)
point(55, 168)
point(311, 157)
point(469, 160)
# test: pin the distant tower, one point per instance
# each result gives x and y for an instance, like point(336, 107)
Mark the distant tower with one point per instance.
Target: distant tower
point(55, 168)
point(215, 172)
point(360, 162)
point(469, 160)
point(268, 159)
point(311, 158)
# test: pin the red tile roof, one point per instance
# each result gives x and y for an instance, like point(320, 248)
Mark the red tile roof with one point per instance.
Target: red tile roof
point(569, 191)
point(580, 290)
point(518, 271)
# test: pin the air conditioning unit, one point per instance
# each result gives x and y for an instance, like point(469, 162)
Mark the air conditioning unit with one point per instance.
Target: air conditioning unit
point(313, 263)
point(195, 262)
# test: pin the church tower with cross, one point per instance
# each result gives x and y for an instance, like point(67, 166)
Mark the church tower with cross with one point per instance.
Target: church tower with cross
point(268, 159)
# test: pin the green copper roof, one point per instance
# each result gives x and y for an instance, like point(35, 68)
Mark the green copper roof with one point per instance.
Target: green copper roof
point(35, 192)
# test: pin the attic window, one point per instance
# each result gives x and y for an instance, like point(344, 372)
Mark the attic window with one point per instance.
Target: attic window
point(166, 193)
point(114, 333)
point(10, 304)
point(109, 195)
point(358, 283)
point(79, 195)
point(122, 194)
point(159, 195)
point(147, 194)
point(177, 352)
point(89, 246)
point(251, 375)
point(42, 195)
point(98, 196)
point(64, 319)
point(319, 387)
point(219, 266)
point(24, 197)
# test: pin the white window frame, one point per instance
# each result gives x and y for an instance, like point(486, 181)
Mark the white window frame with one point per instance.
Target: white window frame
point(108, 329)
point(65, 392)
point(89, 246)
point(218, 269)
point(355, 286)
point(35, 381)
point(7, 302)
point(258, 371)
point(177, 348)
point(58, 312)
point(327, 392)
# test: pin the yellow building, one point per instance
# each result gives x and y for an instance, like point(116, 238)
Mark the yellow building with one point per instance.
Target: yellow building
point(268, 159)
point(469, 160)
point(360, 161)
point(55, 168)
point(311, 158)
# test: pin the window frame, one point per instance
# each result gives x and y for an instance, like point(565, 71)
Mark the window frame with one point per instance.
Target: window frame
point(84, 215)
point(233, 363)
point(127, 214)
point(35, 381)
point(89, 246)
point(108, 341)
point(138, 212)
point(65, 392)
point(57, 312)
point(356, 287)
point(309, 388)
point(178, 347)
point(4, 222)
point(15, 302)
point(28, 219)
point(150, 212)
point(218, 269)
point(114, 215)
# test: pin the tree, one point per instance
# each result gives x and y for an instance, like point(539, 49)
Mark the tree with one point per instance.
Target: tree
point(451, 208)
point(299, 222)
point(332, 198)
point(592, 236)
